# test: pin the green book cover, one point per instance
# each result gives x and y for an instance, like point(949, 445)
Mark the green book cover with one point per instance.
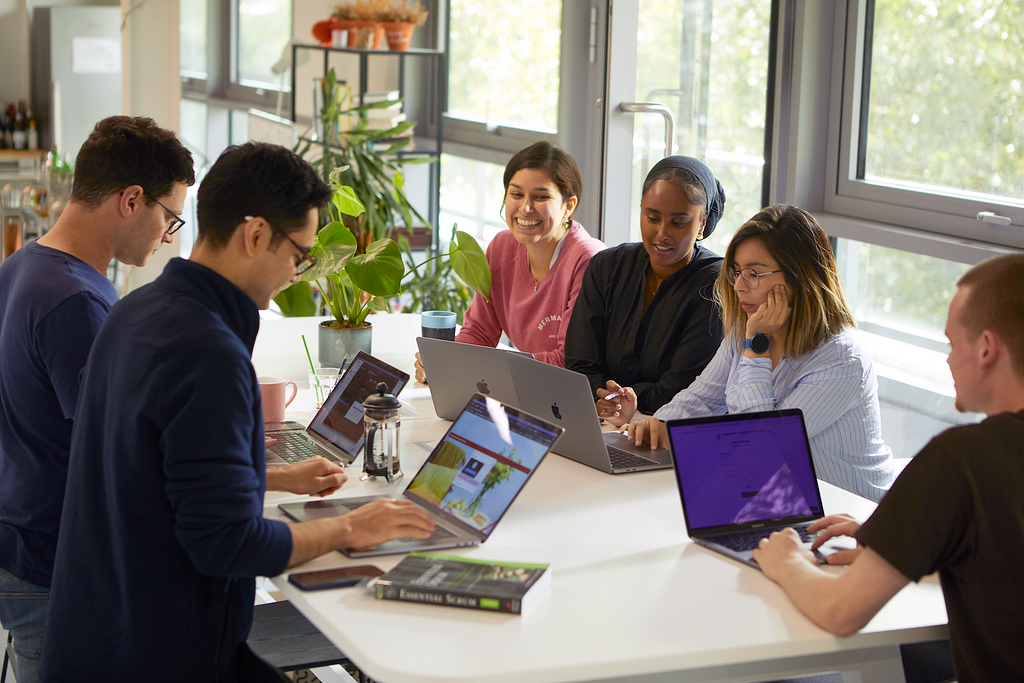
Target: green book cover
point(438, 579)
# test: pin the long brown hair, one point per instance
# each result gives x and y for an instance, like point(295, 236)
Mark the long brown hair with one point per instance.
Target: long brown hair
point(818, 309)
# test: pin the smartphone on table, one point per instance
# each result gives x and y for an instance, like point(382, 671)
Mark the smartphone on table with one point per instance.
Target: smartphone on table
point(342, 577)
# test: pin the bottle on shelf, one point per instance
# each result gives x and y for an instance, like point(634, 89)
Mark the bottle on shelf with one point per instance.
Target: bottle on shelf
point(20, 134)
point(33, 135)
point(9, 132)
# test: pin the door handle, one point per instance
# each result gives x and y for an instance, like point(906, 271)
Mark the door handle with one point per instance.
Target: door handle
point(654, 108)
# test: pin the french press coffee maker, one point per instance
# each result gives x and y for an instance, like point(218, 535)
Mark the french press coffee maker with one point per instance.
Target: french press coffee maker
point(381, 425)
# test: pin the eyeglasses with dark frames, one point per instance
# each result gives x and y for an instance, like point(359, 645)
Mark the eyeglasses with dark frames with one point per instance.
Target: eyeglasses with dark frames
point(178, 220)
point(750, 278)
point(303, 264)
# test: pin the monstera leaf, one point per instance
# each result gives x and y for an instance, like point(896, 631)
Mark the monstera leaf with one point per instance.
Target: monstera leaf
point(470, 263)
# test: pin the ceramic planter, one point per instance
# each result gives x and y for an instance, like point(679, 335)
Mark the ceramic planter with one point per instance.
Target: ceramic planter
point(399, 34)
point(334, 343)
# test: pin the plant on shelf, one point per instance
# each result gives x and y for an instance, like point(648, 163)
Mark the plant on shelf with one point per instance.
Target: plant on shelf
point(402, 12)
point(367, 161)
point(361, 164)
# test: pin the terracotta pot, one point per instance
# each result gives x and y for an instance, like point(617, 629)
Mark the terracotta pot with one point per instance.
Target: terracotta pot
point(366, 34)
point(399, 33)
point(347, 25)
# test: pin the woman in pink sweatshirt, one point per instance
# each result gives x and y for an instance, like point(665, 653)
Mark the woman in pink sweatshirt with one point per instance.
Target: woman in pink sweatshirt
point(537, 265)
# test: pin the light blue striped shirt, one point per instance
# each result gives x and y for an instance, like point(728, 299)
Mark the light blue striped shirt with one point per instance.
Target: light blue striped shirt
point(835, 387)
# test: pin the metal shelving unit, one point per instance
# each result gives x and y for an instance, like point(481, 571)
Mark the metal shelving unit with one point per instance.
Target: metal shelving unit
point(432, 67)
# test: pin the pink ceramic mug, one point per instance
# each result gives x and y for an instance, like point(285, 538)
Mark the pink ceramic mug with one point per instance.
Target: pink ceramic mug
point(273, 390)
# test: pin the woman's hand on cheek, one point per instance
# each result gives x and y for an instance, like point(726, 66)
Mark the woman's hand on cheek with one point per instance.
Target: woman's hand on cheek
point(772, 315)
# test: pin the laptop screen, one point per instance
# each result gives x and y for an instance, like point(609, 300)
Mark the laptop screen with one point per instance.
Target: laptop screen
point(483, 462)
point(340, 420)
point(745, 468)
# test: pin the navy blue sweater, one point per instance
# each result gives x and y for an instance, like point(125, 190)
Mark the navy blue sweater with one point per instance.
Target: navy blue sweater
point(162, 531)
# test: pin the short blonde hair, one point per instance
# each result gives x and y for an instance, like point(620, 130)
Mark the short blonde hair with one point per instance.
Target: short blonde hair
point(800, 246)
point(995, 302)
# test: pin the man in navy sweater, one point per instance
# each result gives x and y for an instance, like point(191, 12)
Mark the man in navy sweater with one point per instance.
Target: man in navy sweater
point(163, 529)
point(131, 177)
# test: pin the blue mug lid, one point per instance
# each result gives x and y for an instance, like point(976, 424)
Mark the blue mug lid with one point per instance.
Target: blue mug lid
point(439, 320)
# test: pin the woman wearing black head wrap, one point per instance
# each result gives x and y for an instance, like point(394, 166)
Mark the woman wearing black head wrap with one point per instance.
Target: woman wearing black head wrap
point(645, 319)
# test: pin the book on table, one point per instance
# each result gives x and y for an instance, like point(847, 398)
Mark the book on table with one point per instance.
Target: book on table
point(438, 579)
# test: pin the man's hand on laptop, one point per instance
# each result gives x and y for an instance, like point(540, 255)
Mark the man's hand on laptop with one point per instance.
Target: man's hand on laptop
point(782, 552)
point(834, 526)
point(651, 430)
point(616, 404)
point(384, 520)
point(316, 476)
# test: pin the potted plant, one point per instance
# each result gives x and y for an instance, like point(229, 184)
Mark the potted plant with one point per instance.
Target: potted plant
point(361, 18)
point(399, 20)
point(354, 283)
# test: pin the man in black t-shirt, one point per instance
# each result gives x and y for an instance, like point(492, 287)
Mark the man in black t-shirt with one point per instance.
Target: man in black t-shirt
point(957, 508)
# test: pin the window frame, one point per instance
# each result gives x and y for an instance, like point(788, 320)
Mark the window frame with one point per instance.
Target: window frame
point(933, 213)
point(219, 85)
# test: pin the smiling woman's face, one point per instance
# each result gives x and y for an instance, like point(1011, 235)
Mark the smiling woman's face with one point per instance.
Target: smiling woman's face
point(669, 226)
point(534, 208)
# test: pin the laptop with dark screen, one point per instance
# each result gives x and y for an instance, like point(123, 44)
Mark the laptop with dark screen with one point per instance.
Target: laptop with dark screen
point(742, 477)
point(336, 431)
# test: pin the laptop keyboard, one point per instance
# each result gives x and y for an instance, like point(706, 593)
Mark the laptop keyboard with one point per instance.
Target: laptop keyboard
point(748, 540)
point(295, 447)
point(621, 459)
point(439, 531)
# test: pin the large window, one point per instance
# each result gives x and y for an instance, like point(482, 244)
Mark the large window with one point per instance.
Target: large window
point(707, 61)
point(932, 135)
point(504, 63)
point(264, 28)
point(235, 49)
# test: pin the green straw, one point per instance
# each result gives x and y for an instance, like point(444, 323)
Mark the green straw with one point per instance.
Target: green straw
point(308, 357)
point(316, 382)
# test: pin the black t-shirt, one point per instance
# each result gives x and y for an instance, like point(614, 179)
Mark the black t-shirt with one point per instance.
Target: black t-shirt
point(658, 353)
point(958, 508)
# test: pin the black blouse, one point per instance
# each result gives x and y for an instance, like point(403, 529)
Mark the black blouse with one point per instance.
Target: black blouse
point(657, 353)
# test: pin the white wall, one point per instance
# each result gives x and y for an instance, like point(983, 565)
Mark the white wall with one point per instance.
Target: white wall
point(15, 22)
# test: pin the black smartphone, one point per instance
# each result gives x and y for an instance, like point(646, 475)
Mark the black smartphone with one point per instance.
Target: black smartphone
point(343, 577)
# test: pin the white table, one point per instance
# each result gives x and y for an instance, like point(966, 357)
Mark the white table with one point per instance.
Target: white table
point(631, 598)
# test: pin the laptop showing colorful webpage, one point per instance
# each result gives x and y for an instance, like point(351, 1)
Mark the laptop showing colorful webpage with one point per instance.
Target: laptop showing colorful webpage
point(468, 482)
point(742, 477)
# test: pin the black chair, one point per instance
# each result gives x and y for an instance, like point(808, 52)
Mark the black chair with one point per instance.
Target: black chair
point(281, 636)
point(7, 658)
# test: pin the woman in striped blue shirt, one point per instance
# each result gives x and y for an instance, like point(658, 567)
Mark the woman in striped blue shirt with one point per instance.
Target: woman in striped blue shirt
point(790, 343)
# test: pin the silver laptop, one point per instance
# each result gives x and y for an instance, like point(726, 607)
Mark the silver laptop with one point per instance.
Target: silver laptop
point(457, 371)
point(742, 477)
point(468, 482)
point(566, 396)
point(336, 431)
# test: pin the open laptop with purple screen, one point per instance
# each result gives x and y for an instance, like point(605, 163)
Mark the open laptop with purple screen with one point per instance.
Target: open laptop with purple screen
point(742, 477)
